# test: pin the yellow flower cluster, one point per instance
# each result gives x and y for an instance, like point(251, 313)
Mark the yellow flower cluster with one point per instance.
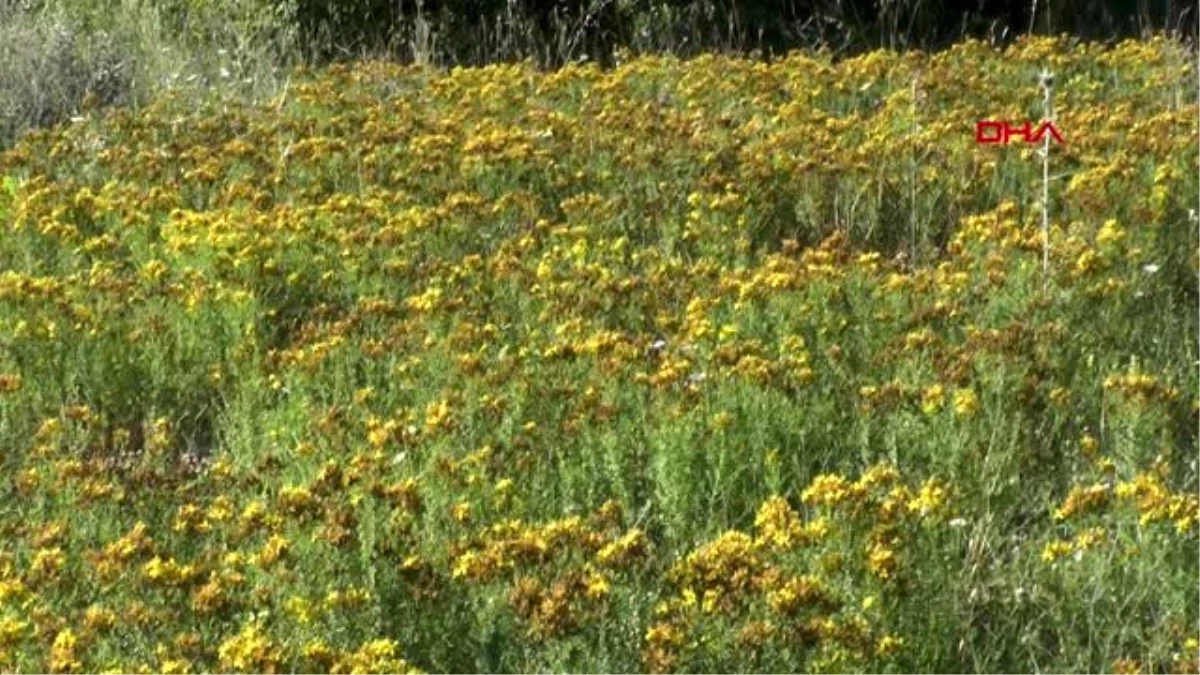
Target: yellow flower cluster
point(560, 572)
point(1141, 387)
point(1086, 540)
point(736, 573)
point(1155, 502)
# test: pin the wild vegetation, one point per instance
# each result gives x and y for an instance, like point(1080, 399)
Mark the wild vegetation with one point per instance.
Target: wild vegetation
point(685, 365)
point(65, 56)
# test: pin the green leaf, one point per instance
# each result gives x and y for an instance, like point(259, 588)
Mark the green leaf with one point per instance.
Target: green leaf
point(7, 195)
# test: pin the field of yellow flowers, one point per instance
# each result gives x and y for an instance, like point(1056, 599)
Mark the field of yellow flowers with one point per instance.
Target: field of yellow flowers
point(706, 365)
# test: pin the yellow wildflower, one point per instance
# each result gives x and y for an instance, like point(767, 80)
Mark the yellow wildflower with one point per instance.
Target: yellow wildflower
point(966, 402)
point(251, 650)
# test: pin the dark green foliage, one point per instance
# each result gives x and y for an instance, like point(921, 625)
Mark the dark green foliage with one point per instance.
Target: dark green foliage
point(555, 31)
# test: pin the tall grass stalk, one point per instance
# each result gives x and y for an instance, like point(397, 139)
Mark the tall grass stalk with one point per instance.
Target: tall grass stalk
point(1047, 82)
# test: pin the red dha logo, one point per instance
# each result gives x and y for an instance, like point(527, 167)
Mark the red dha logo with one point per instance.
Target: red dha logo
point(991, 131)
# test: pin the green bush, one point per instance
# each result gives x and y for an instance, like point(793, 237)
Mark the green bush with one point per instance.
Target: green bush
point(52, 66)
point(64, 56)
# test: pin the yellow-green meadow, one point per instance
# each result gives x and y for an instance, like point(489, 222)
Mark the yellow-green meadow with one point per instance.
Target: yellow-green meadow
point(686, 365)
